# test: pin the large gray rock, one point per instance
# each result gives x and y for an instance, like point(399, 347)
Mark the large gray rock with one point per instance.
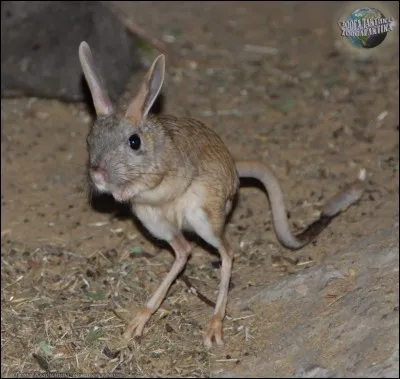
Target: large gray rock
point(354, 333)
point(39, 48)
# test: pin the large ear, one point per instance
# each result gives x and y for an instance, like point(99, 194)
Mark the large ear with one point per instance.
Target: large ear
point(149, 90)
point(101, 100)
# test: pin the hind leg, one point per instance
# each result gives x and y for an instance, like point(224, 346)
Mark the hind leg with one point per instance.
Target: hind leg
point(208, 224)
point(214, 328)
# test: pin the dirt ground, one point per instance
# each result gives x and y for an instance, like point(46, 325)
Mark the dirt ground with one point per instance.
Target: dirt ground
point(277, 84)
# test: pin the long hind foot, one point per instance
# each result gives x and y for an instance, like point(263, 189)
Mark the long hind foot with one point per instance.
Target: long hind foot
point(214, 329)
point(136, 326)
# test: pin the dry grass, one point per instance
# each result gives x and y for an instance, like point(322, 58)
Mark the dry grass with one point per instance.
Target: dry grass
point(62, 312)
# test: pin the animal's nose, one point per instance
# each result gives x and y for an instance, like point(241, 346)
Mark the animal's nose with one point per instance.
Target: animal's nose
point(98, 173)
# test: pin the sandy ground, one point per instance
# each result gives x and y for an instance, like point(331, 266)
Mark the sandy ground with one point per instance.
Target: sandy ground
point(312, 111)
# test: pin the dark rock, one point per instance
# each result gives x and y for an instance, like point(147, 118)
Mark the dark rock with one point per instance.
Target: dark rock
point(39, 48)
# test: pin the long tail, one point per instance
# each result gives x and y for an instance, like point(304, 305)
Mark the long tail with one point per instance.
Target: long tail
point(348, 196)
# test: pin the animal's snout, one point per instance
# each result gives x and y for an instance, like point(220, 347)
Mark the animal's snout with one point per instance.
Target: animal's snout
point(98, 174)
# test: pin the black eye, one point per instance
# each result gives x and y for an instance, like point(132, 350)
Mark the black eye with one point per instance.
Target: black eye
point(134, 142)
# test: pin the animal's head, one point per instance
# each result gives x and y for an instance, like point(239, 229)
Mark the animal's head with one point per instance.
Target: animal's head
point(124, 152)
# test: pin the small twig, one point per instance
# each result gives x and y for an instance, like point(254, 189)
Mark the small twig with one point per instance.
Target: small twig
point(336, 300)
point(303, 263)
point(285, 76)
point(57, 253)
point(203, 298)
point(242, 318)
point(292, 261)
point(15, 281)
point(261, 49)
point(134, 28)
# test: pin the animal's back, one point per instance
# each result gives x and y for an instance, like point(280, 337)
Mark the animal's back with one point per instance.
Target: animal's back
point(201, 145)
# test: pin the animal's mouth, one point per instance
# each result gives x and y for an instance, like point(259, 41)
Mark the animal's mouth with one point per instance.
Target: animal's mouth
point(120, 192)
point(98, 180)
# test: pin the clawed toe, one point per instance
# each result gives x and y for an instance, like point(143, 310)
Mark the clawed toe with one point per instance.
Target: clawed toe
point(214, 329)
point(136, 326)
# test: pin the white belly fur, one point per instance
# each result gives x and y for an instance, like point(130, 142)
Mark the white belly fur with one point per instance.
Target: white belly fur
point(186, 213)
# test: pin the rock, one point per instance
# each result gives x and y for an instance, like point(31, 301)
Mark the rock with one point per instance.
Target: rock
point(345, 325)
point(39, 48)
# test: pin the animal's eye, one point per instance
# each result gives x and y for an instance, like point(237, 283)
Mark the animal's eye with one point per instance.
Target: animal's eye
point(134, 142)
